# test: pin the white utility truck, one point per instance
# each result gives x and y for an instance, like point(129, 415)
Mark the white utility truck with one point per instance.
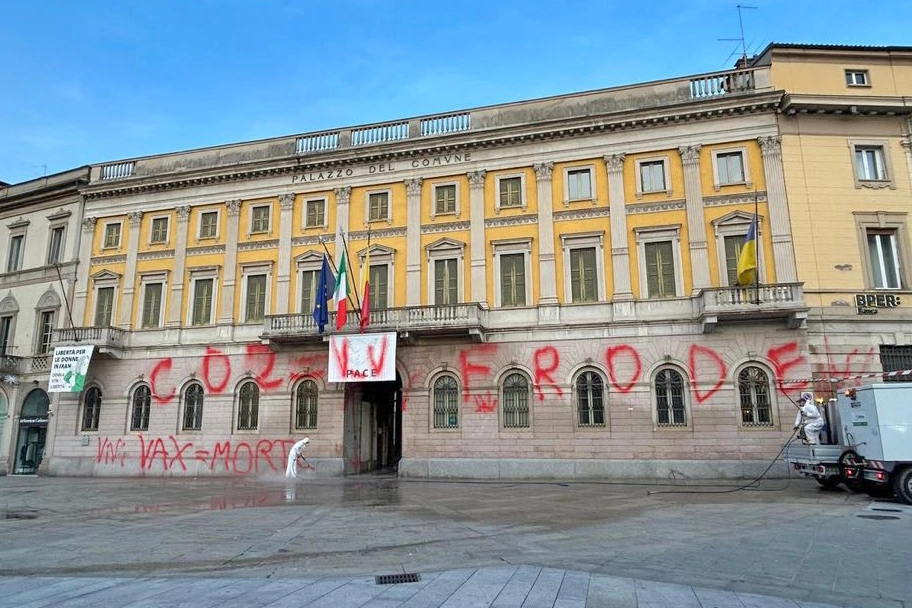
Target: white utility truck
point(869, 442)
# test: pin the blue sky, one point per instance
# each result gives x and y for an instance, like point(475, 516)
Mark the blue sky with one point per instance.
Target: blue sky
point(92, 81)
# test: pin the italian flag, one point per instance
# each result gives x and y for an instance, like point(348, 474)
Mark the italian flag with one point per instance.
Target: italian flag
point(340, 295)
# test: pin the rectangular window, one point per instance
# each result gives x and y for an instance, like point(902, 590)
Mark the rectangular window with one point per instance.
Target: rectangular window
point(579, 184)
point(14, 261)
point(309, 283)
point(256, 298)
point(869, 163)
point(652, 176)
point(856, 78)
point(315, 213)
point(510, 192)
point(55, 245)
point(733, 245)
point(445, 199)
point(6, 334)
point(159, 230)
point(259, 219)
point(884, 258)
point(202, 302)
point(446, 282)
point(104, 306)
point(660, 270)
point(895, 358)
point(152, 301)
point(379, 286)
point(378, 206)
point(112, 236)
point(731, 167)
point(208, 225)
point(583, 279)
point(45, 332)
point(513, 279)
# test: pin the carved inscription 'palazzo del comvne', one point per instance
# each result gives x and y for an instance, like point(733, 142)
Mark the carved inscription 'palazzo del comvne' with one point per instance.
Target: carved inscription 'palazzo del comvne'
point(559, 277)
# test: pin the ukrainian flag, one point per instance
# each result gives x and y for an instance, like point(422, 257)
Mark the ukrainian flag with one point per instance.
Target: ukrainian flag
point(747, 260)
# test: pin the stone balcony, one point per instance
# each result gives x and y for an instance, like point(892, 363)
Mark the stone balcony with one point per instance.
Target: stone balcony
point(409, 322)
point(108, 341)
point(10, 362)
point(774, 301)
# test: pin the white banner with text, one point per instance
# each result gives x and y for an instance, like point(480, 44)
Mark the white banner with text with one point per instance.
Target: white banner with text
point(362, 358)
point(69, 368)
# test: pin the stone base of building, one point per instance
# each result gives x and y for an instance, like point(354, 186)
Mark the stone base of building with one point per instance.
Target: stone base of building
point(89, 467)
point(587, 469)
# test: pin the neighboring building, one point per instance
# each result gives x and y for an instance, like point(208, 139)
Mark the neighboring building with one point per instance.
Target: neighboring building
point(847, 154)
point(39, 239)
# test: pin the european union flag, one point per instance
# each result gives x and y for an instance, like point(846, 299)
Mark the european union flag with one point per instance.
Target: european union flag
point(325, 288)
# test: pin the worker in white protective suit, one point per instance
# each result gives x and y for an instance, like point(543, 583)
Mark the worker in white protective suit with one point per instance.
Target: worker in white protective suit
point(296, 452)
point(808, 421)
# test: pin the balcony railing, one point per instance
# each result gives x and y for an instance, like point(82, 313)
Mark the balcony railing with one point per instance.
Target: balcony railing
point(10, 363)
point(753, 302)
point(411, 318)
point(102, 337)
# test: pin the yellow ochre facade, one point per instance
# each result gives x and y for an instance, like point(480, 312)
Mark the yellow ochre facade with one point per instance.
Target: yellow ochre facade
point(558, 278)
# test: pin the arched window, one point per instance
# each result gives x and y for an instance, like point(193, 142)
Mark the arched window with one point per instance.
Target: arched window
point(669, 389)
point(446, 403)
point(516, 402)
point(248, 406)
point(306, 405)
point(91, 409)
point(141, 405)
point(193, 407)
point(754, 391)
point(590, 399)
point(36, 404)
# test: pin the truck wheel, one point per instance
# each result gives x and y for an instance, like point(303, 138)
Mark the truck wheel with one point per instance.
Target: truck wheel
point(902, 485)
point(850, 458)
point(828, 481)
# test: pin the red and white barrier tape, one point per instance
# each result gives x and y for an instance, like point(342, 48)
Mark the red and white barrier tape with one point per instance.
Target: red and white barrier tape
point(896, 374)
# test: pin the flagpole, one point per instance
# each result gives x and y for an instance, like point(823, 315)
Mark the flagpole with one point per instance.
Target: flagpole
point(356, 301)
point(756, 247)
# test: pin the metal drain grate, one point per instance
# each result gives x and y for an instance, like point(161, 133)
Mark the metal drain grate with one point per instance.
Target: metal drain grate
point(395, 579)
point(879, 516)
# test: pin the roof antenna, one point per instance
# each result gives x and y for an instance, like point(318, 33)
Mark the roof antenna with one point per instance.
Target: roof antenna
point(740, 7)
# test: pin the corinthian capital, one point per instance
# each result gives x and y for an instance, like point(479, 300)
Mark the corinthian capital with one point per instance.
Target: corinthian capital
point(771, 144)
point(690, 154)
point(183, 213)
point(88, 224)
point(343, 195)
point(286, 201)
point(614, 162)
point(234, 207)
point(476, 179)
point(543, 171)
point(135, 218)
point(413, 186)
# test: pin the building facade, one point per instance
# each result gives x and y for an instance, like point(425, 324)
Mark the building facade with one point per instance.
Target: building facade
point(40, 226)
point(558, 278)
point(845, 130)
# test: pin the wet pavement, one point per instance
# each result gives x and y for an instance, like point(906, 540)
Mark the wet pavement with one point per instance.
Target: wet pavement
point(322, 542)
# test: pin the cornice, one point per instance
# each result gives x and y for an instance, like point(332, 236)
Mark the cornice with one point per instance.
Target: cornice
point(376, 234)
point(257, 245)
point(109, 259)
point(206, 250)
point(561, 128)
point(156, 255)
point(676, 205)
point(516, 220)
point(734, 199)
point(445, 227)
point(581, 214)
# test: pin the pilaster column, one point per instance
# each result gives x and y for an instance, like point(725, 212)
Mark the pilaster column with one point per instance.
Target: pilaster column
point(413, 240)
point(129, 279)
point(343, 210)
point(283, 273)
point(85, 257)
point(620, 249)
point(229, 273)
point(180, 262)
point(547, 273)
point(777, 203)
point(477, 237)
point(696, 227)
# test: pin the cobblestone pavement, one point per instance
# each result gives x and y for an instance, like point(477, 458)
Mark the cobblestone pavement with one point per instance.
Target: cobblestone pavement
point(321, 542)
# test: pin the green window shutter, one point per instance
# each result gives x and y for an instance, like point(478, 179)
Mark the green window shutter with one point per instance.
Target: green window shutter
point(151, 305)
point(733, 245)
point(379, 285)
point(256, 297)
point(202, 302)
point(104, 307)
point(660, 279)
point(309, 280)
point(513, 279)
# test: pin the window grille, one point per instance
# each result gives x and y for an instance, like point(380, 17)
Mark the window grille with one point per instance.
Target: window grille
point(193, 407)
point(896, 359)
point(91, 410)
point(142, 404)
point(516, 402)
point(669, 388)
point(446, 403)
point(306, 405)
point(590, 395)
point(248, 406)
point(754, 390)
